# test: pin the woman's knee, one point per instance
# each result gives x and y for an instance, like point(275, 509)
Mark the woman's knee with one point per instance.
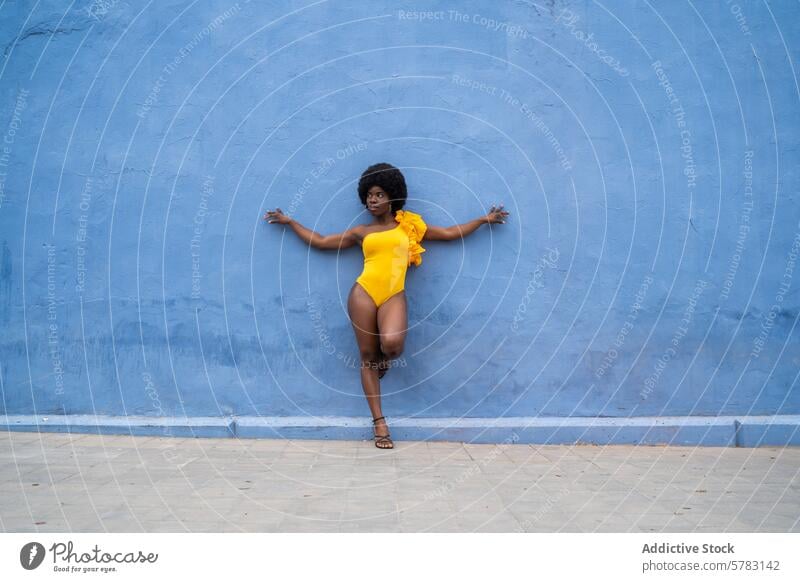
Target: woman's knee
point(392, 347)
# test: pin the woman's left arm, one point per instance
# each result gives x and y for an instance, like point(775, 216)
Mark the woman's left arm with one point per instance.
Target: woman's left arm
point(496, 215)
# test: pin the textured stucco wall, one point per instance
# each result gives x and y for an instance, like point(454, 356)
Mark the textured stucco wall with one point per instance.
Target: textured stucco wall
point(648, 153)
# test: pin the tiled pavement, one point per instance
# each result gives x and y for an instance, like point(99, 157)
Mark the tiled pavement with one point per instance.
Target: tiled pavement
point(90, 483)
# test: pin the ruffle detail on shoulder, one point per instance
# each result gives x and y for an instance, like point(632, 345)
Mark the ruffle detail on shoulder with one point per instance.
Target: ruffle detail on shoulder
point(415, 228)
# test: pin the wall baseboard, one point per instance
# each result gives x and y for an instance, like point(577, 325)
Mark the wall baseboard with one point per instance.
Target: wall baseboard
point(726, 431)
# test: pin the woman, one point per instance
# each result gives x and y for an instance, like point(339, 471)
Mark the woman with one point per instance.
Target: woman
point(377, 301)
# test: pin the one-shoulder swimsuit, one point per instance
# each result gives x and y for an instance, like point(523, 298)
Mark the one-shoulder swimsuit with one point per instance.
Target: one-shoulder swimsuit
point(389, 253)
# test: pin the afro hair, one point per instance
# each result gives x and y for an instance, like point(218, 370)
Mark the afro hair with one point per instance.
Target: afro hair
point(389, 179)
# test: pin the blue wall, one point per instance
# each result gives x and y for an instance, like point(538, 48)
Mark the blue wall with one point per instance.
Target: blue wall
point(647, 152)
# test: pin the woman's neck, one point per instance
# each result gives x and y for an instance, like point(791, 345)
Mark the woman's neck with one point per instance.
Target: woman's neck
point(385, 219)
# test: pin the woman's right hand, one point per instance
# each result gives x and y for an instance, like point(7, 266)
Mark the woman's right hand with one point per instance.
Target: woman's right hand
point(496, 215)
point(276, 215)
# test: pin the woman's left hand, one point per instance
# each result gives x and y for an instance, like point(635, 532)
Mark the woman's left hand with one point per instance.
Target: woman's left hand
point(496, 215)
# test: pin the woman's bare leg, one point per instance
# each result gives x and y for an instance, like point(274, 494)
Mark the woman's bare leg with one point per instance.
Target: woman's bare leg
point(393, 326)
point(363, 316)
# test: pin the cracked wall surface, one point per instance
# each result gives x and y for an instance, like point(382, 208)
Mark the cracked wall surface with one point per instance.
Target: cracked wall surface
point(648, 156)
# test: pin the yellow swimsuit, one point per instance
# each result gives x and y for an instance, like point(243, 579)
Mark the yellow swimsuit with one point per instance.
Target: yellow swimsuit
point(387, 255)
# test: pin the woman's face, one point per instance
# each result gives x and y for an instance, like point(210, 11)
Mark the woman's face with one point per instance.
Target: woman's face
point(377, 200)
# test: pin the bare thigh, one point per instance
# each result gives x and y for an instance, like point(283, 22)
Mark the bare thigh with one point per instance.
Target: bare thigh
point(393, 324)
point(363, 315)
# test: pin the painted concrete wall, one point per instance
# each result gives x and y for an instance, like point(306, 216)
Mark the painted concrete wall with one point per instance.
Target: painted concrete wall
point(647, 152)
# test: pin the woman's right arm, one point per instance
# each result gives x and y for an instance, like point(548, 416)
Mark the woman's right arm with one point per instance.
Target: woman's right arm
point(336, 241)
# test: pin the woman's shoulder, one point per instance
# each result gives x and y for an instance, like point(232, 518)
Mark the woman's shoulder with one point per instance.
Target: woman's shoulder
point(412, 222)
point(415, 228)
point(408, 216)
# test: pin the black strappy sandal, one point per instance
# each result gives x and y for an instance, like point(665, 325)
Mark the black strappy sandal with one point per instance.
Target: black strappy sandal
point(382, 439)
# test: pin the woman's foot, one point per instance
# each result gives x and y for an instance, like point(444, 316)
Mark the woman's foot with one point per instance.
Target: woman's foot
point(382, 440)
point(383, 366)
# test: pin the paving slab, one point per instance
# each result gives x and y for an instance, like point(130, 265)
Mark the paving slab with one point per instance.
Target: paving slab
point(54, 482)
